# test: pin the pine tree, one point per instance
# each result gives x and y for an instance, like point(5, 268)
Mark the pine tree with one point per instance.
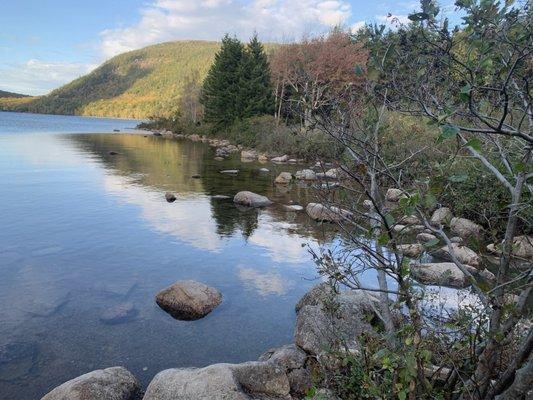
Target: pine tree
point(220, 92)
point(255, 89)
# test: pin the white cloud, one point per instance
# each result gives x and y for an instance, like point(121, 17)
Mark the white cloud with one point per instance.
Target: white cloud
point(38, 77)
point(358, 25)
point(165, 20)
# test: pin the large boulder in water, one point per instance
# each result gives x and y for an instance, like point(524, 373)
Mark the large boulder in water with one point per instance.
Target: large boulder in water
point(251, 199)
point(115, 383)
point(188, 300)
point(321, 212)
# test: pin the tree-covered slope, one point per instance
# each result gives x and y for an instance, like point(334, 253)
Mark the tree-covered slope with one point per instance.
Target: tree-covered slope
point(137, 84)
point(4, 94)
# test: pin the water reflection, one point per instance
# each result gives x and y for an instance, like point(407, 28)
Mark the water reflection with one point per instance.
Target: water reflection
point(85, 231)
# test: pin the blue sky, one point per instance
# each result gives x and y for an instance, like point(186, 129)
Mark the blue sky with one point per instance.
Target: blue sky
point(44, 44)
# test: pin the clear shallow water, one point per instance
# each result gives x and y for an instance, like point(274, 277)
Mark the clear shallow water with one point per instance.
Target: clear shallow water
point(83, 231)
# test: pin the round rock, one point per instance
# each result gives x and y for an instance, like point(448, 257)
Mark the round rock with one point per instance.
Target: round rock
point(188, 300)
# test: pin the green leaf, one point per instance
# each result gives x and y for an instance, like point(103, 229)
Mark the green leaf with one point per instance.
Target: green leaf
point(383, 239)
point(458, 178)
point(358, 70)
point(389, 219)
point(402, 395)
point(432, 242)
point(475, 143)
point(448, 132)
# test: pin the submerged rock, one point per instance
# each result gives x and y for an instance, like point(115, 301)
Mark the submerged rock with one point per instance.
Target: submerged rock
point(188, 300)
point(283, 178)
point(251, 199)
point(170, 197)
point(119, 314)
point(465, 228)
point(115, 383)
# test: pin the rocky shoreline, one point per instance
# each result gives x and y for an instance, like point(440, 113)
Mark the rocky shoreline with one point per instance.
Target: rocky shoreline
point(282, 373)
point(328, 323)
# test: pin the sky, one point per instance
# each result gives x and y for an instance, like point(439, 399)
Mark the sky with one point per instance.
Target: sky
point(47, 43)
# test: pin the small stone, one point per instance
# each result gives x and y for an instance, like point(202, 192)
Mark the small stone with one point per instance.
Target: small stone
point(293, 207)
point(320, 212)
point(464, 254)
point(394, 195)
point(425, 237)
point(230, 171)
point(195, 176)
point(283, 178)
point(220, 197)
point(306, 174)
point(170, 197)
point(281, 159)
point(264, 170)
point(113, 153)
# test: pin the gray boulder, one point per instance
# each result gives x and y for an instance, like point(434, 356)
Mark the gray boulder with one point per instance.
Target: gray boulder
point(115, 383)
point(249, 155)
point(288, 356)
point(465, 228)
point(213, 382)
point(464, 254)
point(188, 300)
point(250, 199)
point(245, 381)
point(522, 247)
point(262, 378)
point(441, 216)
point(424, 237)
point(335, 321)
point(441, 274)
point(414, 250)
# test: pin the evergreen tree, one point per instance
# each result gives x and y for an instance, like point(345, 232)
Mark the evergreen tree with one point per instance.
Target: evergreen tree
point(238, 84)
point(220, 92)
point(255, 89)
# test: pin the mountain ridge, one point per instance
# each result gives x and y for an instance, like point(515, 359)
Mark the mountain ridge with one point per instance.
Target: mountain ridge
point(136, 84)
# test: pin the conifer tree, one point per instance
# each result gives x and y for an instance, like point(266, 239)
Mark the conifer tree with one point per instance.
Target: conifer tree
point(220, 92)
point(255, 89)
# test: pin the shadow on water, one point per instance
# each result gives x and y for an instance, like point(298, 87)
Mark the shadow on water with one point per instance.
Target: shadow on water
point(88, 232)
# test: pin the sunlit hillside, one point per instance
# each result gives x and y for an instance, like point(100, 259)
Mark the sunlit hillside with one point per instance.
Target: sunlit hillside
point(137, 84)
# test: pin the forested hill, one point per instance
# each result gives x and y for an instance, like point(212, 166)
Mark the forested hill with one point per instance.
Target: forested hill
point(4, 94)
point(137, 84)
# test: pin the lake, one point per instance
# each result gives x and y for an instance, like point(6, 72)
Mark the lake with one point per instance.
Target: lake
point(83, 231)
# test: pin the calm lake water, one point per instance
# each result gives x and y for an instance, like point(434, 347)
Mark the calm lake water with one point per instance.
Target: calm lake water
point(83, 231)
